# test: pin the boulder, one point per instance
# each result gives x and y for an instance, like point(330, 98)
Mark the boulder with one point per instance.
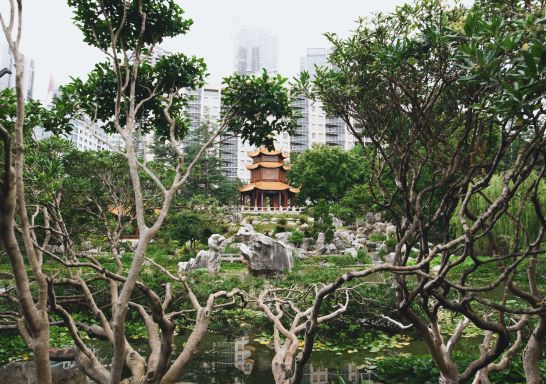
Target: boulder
point(390, 231)
point(210, 259)
point(283, 236)
point(25, 373)
point(337, 222)
point(350, 251)
point(331, 248)
point(320, 244)
point(263, 255)
point(390, 258)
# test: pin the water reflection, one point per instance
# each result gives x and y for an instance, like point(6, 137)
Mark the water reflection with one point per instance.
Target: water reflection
point(243, 361)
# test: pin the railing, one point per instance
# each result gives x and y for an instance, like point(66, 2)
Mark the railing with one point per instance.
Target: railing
point(270, 210)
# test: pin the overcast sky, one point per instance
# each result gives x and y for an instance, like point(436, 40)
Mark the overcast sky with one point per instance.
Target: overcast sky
point(56, 44)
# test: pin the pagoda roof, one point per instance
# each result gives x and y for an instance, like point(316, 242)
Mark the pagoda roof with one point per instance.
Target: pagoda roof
point(268, 164)
point(265, 151)
point(269, 186)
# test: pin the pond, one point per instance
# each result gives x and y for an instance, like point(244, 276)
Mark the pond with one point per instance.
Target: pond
point(248, 360)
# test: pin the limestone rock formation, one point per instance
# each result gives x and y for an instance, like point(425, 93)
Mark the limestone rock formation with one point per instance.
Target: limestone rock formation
point(205, 259)
point(320, 244)
point(263, 255)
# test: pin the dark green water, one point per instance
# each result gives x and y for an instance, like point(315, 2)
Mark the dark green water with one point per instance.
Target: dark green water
point(244, 360)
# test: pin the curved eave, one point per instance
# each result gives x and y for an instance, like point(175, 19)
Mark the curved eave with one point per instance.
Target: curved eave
point(268, 186)
point(294, 190)
point(247, 188)
point(267, 164)
point(265, 151)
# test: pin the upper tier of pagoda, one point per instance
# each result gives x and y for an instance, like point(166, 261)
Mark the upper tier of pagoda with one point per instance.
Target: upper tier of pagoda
point(268, 183)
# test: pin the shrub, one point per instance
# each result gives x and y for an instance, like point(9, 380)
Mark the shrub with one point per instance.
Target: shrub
point(378, 237)
point(390, 242)
point(296, 238)
point(363, 257)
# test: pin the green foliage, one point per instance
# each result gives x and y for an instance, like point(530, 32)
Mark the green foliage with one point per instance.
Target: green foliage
point(323, 221)
point(363, 257)
point(97, 19)
point(296, 238)
point(421, 369)
point(191, 225)
point(377, 237)
point(53, 119)
point(505, 231)
point(96, 95)
point(312, 171)
point(257, 108)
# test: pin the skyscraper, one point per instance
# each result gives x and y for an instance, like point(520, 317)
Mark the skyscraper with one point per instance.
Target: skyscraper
point(8, 80)
point(254, 50)
point(314, 126)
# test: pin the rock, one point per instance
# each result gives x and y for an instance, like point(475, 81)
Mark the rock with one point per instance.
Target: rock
point(390, 258)
point(331, 248)
point(390, 231)
point(210, 259)
point(25, 373)
point(344, 239)
point(249, 227)
point(372, 245)
point(337, 222)
point(320, 244)
point(383, 247)
point(263, 255)
point(304, 227)
point(283, 236)
point(350, 251)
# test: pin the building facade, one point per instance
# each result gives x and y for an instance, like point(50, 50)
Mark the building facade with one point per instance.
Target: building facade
point(8, 80)
point(315, 126)
point(254, 50)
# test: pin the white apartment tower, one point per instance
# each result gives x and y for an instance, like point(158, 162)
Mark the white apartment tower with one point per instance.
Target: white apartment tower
point(203, 106)
point(315, 127)
point(8, 80)
point(254, 50)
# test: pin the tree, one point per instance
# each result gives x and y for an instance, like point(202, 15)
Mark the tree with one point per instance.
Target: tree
point(191, 225)
point(130, 95)
point(313, 172)
point(444, 94)
point(208, 177)
point(14, 117)
point(98, 199)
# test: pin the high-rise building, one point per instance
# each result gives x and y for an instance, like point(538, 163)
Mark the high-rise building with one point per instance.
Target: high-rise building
point(203, 107)
point(314, 57)
point(314, 126)
point(8, 80)
point(311, 124)
point(85, 136)
point(255, 49)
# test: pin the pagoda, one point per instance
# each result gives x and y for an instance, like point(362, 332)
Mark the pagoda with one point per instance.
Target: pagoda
point(268, 188)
